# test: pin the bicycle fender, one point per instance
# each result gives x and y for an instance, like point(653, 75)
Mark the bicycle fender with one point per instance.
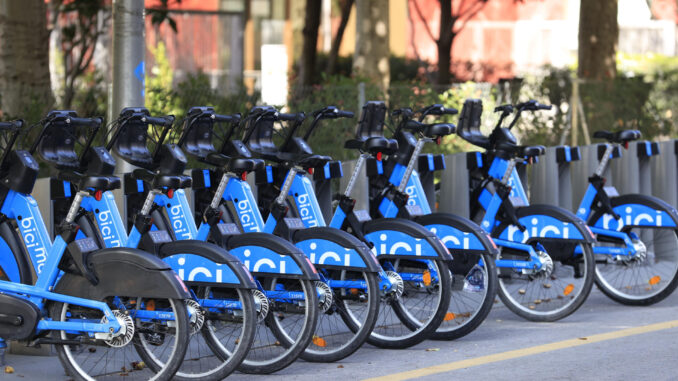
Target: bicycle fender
point(202, 263)
point(400, 238)
point(334, 248)
point(263, 253)
point(459, 234)
point(124, 272)
point(18, 252)
point(636, 210)
point(545, 223)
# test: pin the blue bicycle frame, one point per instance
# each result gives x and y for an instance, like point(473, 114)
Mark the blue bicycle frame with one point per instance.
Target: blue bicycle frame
point(45, 257)
point(634, 213)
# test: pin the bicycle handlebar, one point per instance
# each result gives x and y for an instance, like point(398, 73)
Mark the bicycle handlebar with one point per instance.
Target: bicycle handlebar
point(13, 125)
point(532, 105)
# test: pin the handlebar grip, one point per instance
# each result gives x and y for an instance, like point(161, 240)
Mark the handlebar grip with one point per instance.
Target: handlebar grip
point(223, 118)
point(87, 122)
point(160, 121)
point(544, 107)
point(15, 124)
point(345, 114)
point(413, 125)
point(450, 111)
point(290, 117)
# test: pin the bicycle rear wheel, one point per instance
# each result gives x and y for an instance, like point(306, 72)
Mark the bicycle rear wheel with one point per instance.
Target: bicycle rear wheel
point(88, 358)
point(648, 277)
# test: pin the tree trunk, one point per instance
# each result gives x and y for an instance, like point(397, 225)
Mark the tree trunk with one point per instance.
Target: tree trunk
point(24, 59)
point(336, 43)
point(444, 43)
point(598, 33)
point(310, 47)
point(370, 59)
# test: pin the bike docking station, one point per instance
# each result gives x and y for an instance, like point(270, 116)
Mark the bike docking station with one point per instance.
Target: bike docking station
point(664, 172)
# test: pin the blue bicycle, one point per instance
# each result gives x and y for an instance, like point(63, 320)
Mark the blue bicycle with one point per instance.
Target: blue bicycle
point(637, 251)
point(546, 265)
point(285, 295)
point(412, 257)
point(104, 310)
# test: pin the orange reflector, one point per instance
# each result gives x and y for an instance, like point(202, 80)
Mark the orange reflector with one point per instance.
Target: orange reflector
point(353, 291)
point(170, 193)
point(243, 176)
point(97, 195)
point(568, 289)
point(319, 341)
point(426, 277)
point(654, 280)
point(150, 305)
point(449, 316)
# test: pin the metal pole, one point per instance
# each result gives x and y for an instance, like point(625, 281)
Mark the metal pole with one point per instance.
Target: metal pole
point(129, 52)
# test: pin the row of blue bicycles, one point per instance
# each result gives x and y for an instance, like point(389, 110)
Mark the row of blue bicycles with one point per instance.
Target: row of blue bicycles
point(200, 277)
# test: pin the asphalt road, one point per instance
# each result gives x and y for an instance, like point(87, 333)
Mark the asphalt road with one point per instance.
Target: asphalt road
point(602, 341)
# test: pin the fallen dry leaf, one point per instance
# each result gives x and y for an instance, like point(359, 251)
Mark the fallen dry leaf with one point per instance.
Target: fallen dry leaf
point(9, 369)
point(432, 349)
point(340, 366)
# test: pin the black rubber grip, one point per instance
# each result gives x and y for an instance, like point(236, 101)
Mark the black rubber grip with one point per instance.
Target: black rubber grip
point(544, 107)
point(160, 121)
point(222, 118)
point(345, 114)
point(88, 122)
point(283, 116)
point(450, 111)
point(11, 125)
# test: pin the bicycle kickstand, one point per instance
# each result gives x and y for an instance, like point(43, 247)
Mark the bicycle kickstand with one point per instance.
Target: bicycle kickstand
point(3, 349)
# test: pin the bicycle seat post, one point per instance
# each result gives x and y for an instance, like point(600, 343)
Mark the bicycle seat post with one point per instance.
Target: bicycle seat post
point(509, 170)
point(410, 164)
point(220, 190)
point(605, 159)
point(285, 189)
point(356, 172)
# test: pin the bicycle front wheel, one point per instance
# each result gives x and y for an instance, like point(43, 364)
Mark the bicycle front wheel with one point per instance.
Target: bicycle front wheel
point(548, 297)
point(411, 314)
point(345, 323)
point(287, 327)
point(474, 288)
point(220, 336)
